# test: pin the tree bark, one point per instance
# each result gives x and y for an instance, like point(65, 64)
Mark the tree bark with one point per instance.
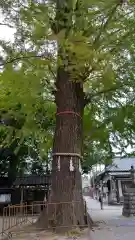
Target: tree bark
point(66, 191)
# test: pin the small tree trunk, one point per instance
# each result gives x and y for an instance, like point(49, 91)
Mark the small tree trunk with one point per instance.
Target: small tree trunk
point(66, 182)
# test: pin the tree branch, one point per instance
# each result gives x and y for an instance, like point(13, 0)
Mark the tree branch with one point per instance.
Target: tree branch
point(88, 70)
point(12, 60)
point(89, 98)
point(104, 26)
point(6, 25)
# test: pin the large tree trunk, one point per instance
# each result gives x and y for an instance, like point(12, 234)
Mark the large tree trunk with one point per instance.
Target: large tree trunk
point(66, 189)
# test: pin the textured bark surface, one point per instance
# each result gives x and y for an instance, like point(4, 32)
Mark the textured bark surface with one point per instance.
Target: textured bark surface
point(66, 184)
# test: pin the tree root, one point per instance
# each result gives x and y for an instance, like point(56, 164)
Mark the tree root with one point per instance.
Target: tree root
point(47, 221)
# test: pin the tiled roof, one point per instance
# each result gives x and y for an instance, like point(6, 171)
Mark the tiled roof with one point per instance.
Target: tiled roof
point(121, 164)
point(32, 180)
point(119, 174)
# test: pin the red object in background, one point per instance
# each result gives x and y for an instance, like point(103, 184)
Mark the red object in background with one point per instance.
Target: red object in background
point(68, 112)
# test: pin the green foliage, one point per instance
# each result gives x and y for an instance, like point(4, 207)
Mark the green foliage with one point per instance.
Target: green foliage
point(96, 39)
point(27, 159)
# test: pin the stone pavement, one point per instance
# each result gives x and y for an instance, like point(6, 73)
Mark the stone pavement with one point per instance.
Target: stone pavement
point(111, 224)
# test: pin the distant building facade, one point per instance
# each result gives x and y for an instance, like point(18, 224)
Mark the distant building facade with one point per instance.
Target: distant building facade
point(116, 178)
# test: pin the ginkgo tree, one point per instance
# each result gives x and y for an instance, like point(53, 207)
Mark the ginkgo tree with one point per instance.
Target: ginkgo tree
point(82, 53)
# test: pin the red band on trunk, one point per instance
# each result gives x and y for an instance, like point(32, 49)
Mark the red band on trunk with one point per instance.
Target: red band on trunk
point(68, 112)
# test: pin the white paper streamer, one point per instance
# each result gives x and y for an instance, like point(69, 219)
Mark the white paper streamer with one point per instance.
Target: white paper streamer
point(59, 163)
point(80, 168)
point(71, 165)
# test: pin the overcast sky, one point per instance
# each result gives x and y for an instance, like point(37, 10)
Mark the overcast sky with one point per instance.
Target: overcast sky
point(6, 32)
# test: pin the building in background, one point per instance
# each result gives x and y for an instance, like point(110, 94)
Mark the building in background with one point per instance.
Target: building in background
point(116, 178)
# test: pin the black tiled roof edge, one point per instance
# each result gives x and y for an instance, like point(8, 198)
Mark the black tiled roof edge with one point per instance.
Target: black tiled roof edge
point(32, 180)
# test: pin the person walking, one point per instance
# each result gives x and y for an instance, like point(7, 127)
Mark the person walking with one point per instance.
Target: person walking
point(101, 198)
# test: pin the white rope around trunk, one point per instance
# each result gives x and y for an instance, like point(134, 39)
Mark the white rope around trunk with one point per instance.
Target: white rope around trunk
point(67, 154)
point(71, 166)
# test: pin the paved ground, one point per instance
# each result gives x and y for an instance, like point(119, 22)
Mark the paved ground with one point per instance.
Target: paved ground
point(112, 225)
point(0, 224)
